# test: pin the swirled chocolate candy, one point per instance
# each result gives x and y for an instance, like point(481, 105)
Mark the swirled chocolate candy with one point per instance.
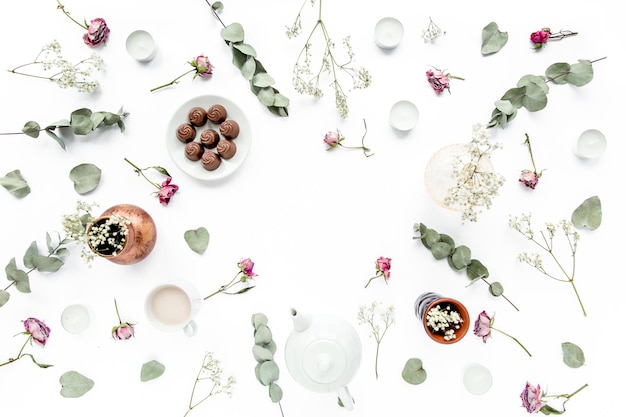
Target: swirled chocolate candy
point(210, 160)
point(197, 116)
point(229, 129)
point(209, 138)
point(216, 114)
point(226, 148)
point(186, 133)
point(194, 151)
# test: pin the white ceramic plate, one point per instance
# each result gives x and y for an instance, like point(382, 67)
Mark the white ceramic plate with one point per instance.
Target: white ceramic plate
point(177, 149)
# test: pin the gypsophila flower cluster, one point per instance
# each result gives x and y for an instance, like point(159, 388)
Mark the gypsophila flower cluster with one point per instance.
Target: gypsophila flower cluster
point(211, 372)
point(370, 315)
point(432, 32)
point(545, 240)
point(476, 186)
point(306, 77)
point(108, 236)
point(444, 321)
point(65, 73)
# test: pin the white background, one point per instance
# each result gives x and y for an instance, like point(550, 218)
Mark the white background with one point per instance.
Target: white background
point(314, 221)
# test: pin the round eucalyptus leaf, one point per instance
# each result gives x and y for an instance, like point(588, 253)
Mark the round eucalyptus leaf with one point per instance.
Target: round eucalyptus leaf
point(74, 385)
point(588, 214)
point(573, 356)
point(262, 354)
point(441, 250)
point(580, 73)
point(151, 370)
point(31, 129)
point(514, 95)
point(15, 184)
point(248, 68)
point(493, 39)
point(262, 79)
point(97, 118)
point(447, 239)
point(496, 289)
point(266, 96)
point(4, 297)
point(245, 49)
point(276, 392)
point(535, 98)
point(47, 263)
point(430, 238)
point(535, 81)
point(80, 121)
point(267, 372)
point(232, 33)
point(413, 373)
point(556, 72)
point(476, 270)
point(271, 346)
point(86, 177)
point(197, 239)
point(505, 106)
point(258, 319)
point(262, 335)
point(280, 100)
point(461, 257)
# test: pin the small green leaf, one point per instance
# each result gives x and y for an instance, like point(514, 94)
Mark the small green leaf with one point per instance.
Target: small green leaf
point(245, 49)
point(4, 297)
point(496, 289)
point(151, 370)
point(493, 39)
point(413, 372)
point(248, 68)
point(535, 98)
point(430, 238)
point(80, 121)
point(441, 250)
point(262, 80)
point(276, 392)
point(262, 354)
point(15, 184)
point(31, 129)
point(97, 118)
point(267, 372)
point(266, 96)
point(198, 239)
point(557, 72)
point(49, 132)
point(232, 33)
point(86, 177)
point(580, 73)
point(74, 385)
point(573, 356)
point(259, 319)
point(505, 106)
point(31, 252)
point(47, 263)
point(461, 257)
point(262, 335)
point(588, 214)
point(477, 270)
point(218, 6)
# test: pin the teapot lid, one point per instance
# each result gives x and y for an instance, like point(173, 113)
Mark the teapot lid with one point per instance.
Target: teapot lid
point(324, 361)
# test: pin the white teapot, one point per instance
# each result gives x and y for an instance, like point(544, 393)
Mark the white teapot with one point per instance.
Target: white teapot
point(323, 353)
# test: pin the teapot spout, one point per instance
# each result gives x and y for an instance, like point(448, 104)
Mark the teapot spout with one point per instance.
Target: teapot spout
point(301, 321)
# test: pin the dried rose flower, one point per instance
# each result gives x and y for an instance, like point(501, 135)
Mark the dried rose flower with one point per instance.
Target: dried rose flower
point(201, 68)
point(334, 139)
point(383, 267)
point(166, 190)
point(124, 330)
point(97, 30)
point(484, 325)
point(541, 37)
point(244, 274)
point(533, 399)
point(439, 80)
point(38, 332)
point(530, 178)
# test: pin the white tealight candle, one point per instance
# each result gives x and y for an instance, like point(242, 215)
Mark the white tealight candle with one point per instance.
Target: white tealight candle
point(590, 144)
point(404, 115)
point(388, 33)
point(141, 46)
point(477, 379)
point(75, 318)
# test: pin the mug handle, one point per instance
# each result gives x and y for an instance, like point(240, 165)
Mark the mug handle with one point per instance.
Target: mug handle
point(190, 329)
point(345, 398)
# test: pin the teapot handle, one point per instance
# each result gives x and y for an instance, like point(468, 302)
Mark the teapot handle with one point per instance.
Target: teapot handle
point(346, 398)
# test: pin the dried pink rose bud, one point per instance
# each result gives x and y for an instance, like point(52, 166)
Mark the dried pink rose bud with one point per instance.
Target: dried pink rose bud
point(97, 32)
point(37, 329)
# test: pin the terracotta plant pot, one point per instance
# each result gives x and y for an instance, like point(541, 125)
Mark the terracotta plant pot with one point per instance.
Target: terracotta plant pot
point(429, 301)
point(141, 236)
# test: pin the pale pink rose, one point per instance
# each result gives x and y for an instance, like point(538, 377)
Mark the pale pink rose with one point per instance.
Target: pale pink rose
point(482, 326)
point(203, 66)
point(37, 329)
point(246, 266)
point(332, 139)
point(383, 265)
point(438, 81)
point(123, 332)
point(531, 398)
point(541, 36)
point(529, 179)
point(97, 32)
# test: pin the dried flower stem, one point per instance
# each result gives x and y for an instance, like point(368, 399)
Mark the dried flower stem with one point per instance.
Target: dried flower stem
point(66, 13)
point(174, 81)
point(141, 170)
point(514, 338)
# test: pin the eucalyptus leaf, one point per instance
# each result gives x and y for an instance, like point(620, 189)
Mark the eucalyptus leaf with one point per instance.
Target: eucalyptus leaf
point(15, 184)
point(441, 250)
point(49, 132)
point(477, 270)
point(413, 372)
point(588, 214)
point(248, 68)
point(151, 370)
point(74, 385)
point(557, 72)
point(535, 98)
point(573, 356)
point(262, 80)
point(31, 129)
point(496, 289)
point(461, 257)
point(198, 239)
point(31, 252)
point(493, 39)
point(85, 177)
point(534, 81)
point(505, 106)
point(266, 96)
point(262, 354)
point(259, 319)
point(580, 73)
point(515, 95)
point(232, 33)
point(268, 372)
point(80, 121)
point(47, 263)
point(276, 392)
point(4, 297)
point(246, 49)
point(430, 238)
point(97, 118)
point(262, 335)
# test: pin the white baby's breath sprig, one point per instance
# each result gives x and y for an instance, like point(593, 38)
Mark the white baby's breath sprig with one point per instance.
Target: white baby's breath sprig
point(475, 188)
point(211, 372)
point(432, 32)
point(64, 73)
point(376, 319)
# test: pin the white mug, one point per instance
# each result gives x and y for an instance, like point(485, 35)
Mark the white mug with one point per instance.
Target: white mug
point(172, 305)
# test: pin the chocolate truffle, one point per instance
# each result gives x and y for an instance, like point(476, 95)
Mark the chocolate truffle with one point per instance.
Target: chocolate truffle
point(186, 133)
point(226, 148)
point(229, 129)
point(210, 161)
point(216, 114)
point(209, 138)
point(197, 116)
point(194, 151)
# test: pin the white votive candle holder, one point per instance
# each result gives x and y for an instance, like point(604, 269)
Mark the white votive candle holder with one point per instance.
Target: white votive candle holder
point(590, 144)
point(141, 46)
point(388, 33)
point(403, 115)
point(75, 318)
point(477, 379)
